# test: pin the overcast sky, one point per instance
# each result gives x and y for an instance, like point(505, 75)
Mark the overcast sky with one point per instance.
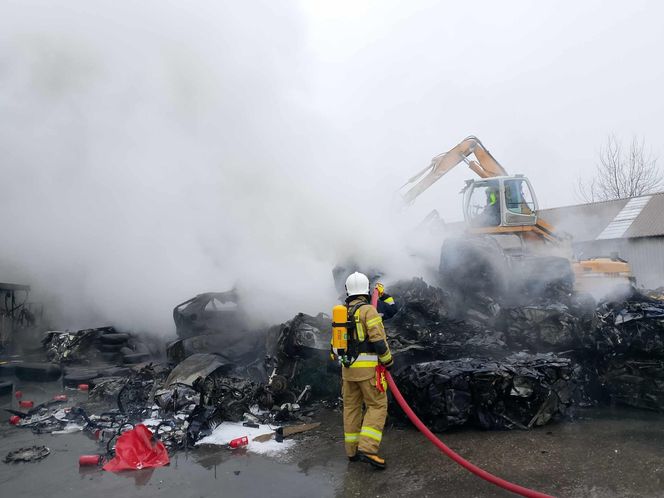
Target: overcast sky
point(541, 83)
point(152, 150)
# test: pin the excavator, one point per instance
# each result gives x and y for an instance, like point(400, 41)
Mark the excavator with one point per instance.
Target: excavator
point(508, 248)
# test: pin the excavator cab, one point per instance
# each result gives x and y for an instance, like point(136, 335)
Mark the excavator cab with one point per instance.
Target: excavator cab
point(503, 201)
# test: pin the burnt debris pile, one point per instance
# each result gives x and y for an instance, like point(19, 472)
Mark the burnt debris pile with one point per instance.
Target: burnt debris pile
point(561, 324)
point(425, 329)
point(629, 355)
point(616, 348)
point(104, 344)
point(519, 391)
point(461, 359)
point(273, 376)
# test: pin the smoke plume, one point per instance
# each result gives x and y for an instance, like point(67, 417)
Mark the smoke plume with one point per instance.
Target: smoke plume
point(157, 150)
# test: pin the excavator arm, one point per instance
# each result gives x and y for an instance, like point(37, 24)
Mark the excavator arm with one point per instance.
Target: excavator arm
point(484, 164)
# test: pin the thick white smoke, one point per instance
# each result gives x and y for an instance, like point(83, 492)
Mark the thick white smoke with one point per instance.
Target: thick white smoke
point(155, 150)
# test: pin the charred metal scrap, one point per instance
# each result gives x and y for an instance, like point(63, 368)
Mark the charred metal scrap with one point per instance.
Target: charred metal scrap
point(456, 364)
point(217, 322)
point(634, 326)
point(617, 347)
point(299, 360)
point(424, 328)
point(520, 391)
point(85, 346)
point(550, 325)
point(31, 454)
point(629, 354)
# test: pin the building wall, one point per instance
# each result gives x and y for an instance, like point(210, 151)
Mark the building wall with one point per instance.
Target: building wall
point(644, 254)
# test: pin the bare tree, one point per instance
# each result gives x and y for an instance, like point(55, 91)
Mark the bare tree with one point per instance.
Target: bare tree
point(622, 173)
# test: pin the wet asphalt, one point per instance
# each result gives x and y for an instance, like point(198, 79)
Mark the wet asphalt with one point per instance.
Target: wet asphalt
point(605, 452)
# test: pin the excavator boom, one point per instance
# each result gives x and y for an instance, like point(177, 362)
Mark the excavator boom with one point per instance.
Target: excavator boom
point(485, 166)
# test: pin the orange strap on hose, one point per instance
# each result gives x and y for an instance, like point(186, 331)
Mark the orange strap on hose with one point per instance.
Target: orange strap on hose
point(514, 488)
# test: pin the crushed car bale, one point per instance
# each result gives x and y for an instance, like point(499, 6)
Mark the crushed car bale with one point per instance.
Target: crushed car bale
point(616, 346)
point(424, 328)
point(520, 391)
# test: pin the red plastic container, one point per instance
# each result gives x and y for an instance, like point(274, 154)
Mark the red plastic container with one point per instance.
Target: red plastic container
point(238, 442)
point(60, 397)
point(83, 387)
point(90, 460)
point(18, 394)
point(14, 419)
point(26, 403)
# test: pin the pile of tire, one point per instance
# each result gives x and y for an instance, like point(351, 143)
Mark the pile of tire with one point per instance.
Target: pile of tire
point(88, 345)
point(118, 347)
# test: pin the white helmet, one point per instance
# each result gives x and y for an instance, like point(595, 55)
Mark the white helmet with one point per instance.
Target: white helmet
point(357, 285)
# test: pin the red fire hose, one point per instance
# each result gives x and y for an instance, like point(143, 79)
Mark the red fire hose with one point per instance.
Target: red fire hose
point(374, 298)
point(514, 488)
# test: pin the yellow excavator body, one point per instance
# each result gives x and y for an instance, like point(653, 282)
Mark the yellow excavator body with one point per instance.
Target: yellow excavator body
point(500, 204)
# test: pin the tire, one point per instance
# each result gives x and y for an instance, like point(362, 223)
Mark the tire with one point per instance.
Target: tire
point(74, 378)
point(110, 348)
point(114, 338)
point(140, 347)
point(7, 370)
point(38, 372)
point(115, 372)
point(110, 356)
point(132, 359)
point(6, 387)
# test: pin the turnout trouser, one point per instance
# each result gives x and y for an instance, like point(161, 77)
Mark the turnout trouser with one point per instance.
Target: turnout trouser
point(363, 428)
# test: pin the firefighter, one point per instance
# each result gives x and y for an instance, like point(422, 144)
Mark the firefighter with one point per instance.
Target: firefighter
point(363, 381)
point(387, 308)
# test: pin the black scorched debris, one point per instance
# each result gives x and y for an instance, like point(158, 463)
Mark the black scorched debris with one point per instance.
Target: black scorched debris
point(520, 391)
point(425, 329)
point(31, 454)
point(94, 345)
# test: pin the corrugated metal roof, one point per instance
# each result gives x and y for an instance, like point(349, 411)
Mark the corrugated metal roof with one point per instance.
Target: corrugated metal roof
point(641, 216)
point(584, 222)
point(650, 222)
point(624, 219)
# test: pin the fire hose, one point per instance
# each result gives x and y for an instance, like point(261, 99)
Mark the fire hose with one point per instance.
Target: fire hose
point(514, 488)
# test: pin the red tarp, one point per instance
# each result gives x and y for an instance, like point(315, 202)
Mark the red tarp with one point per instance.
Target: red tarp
point(136, 450)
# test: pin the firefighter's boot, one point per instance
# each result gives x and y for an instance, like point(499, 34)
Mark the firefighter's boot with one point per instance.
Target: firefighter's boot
point(373, 460)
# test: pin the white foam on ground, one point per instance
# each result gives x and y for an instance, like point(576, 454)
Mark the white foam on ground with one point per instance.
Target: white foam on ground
point(227, 431)
point(151, 423)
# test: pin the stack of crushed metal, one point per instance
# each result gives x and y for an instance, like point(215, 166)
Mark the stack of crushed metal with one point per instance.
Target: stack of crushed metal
point(629, 352)
point(545, 324)
point(520, 391)
point(614, 351)
point(425, 328)
point(494, 389)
